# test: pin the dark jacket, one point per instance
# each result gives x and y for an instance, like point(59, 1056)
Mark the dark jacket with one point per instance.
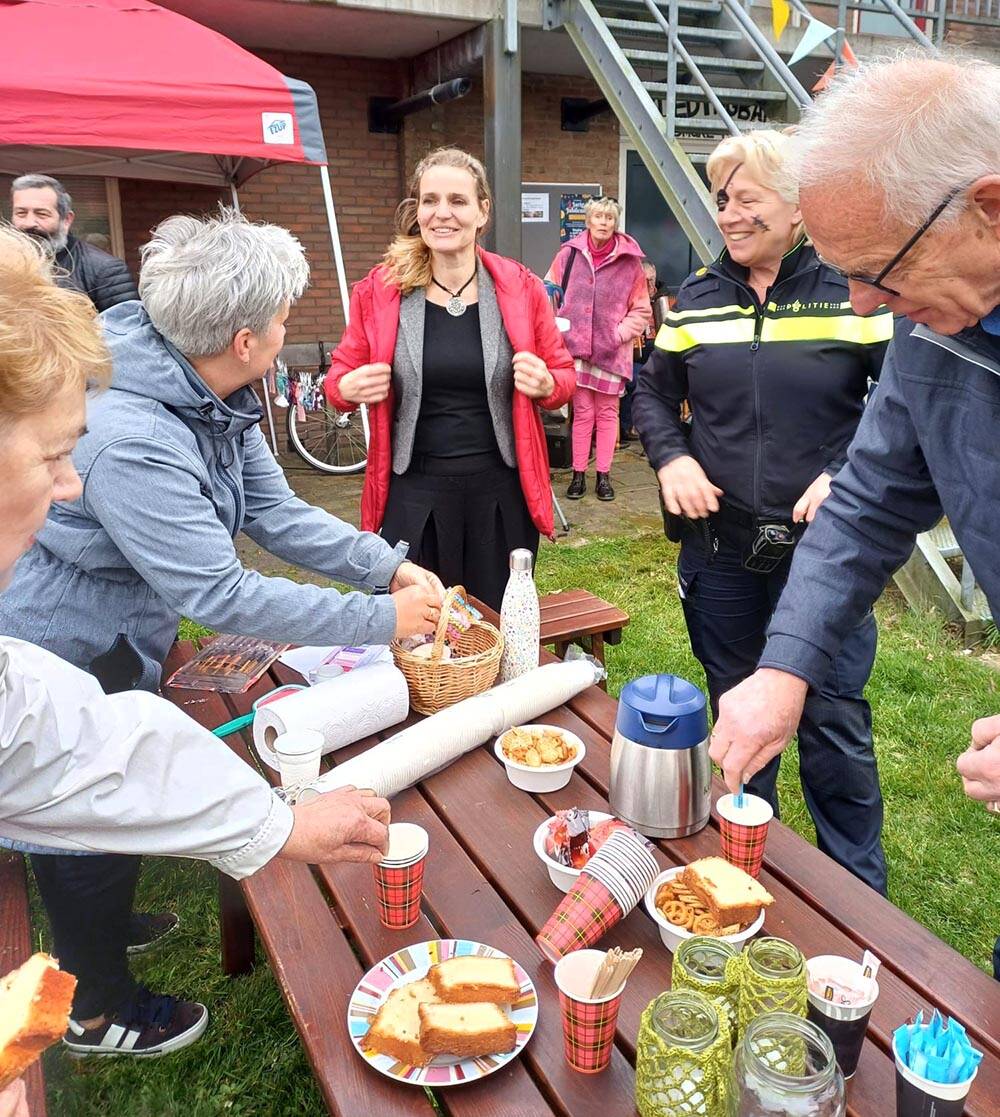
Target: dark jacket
point(926, 443)
point(776, 392)
point(104, 278)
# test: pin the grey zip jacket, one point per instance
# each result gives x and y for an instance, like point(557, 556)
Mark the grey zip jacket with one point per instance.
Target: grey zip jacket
point(171, 473)
point(926, 444)
point(123, 773)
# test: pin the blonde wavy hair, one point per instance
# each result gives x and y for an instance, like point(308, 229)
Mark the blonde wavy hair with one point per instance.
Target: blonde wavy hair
point(765, 158)
point(49, 337)
point(408, 258)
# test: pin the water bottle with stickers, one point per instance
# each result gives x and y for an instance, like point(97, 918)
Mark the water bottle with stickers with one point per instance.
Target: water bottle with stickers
point(520, 623)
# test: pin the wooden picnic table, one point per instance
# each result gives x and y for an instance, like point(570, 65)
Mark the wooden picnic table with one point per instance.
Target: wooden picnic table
point(320, 931)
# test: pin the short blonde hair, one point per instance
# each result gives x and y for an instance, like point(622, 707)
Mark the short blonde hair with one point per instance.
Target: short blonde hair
point(408, 259)
point(603, 205)
point(49, 337)
point(763, 155)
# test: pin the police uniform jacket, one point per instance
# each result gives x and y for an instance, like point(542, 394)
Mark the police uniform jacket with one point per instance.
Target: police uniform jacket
point(776, 390)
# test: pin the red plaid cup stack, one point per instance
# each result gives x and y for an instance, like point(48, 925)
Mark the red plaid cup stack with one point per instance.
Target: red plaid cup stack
point(744, 830)
point(588, 1023)
point(612, 884)
point(399, 876)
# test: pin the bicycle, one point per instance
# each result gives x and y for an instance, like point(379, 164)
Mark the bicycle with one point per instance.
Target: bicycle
point(330, 441)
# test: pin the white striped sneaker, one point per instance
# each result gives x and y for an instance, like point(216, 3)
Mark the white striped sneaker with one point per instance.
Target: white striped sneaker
point(149, 1025)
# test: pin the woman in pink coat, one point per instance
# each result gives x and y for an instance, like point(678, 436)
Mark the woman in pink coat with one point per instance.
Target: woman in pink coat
point(607, 304)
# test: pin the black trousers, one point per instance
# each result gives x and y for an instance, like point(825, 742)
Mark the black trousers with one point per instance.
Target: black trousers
point(462, 517)
point(89, 905)
point(727, 609)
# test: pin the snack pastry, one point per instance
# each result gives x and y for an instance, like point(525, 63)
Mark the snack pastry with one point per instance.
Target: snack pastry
point(35, 1001)
point(471, 978)
point(535, 749)
point(466, 1030)
point(729, 893)
point(395, 1031)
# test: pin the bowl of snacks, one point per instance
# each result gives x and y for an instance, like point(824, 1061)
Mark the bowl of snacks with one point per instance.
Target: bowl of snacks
point(565, 842)
point(539, 757)
point(707, 897)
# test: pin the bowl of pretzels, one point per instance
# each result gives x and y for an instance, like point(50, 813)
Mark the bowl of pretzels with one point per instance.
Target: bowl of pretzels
point(682, 908)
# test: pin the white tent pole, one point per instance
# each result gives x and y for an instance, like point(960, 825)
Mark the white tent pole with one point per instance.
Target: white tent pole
point(263, 381)
point(338, 255)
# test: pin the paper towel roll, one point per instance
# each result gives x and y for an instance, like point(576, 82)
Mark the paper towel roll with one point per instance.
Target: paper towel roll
point(422, 749)
point(345, 709)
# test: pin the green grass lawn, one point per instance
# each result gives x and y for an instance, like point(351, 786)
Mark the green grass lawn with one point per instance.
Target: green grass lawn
point(943, 852)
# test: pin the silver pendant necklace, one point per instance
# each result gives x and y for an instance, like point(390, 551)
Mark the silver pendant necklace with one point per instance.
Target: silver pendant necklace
point(454, 306)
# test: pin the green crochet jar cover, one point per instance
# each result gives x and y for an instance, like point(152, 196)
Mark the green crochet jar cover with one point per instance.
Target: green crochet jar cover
point(725, 992)
point(768, 992)
point(680, 1082)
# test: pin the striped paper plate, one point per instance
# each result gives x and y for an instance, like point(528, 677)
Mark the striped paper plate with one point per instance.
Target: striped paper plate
point(412, 964)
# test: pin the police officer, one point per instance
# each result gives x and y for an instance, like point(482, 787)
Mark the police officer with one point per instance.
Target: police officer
point(764, 346)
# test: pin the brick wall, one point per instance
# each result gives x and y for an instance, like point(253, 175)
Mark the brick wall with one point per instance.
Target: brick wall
point(368, 172)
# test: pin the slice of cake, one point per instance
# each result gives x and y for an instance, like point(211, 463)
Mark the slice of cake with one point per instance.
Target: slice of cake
point(473, 978)
point(466, 1030)
point(395, 1031)
point(729, 893)
point(35, 1000)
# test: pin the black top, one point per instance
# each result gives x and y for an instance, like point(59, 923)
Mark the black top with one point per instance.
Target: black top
point(454, 413)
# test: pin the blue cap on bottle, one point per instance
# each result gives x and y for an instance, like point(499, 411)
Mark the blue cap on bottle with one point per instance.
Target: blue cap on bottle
point(663, 712)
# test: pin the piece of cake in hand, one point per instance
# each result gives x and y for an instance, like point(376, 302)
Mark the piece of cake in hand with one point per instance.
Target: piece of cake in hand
point(729, 893)
point(35, 1000)
point(466, 1030)
point(395, 1031)
point(471, 978)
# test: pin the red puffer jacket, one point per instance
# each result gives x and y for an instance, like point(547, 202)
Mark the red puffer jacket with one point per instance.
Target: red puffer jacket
point(527, 316)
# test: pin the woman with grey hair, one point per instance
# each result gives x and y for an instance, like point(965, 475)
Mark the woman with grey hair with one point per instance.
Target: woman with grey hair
point(174, 465)
point(607, 303)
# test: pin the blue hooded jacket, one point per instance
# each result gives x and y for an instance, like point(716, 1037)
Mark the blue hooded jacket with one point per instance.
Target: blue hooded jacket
point(171, 473)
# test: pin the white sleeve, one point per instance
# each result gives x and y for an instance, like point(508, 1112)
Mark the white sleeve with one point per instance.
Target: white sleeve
point(123, 773)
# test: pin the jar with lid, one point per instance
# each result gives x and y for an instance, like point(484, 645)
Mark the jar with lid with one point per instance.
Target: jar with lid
point(786, 1065)
point(774, 980)
point(712, 967)
point(683, 1058)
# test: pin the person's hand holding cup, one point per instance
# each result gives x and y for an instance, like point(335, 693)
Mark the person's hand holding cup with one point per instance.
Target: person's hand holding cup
point(341, 825)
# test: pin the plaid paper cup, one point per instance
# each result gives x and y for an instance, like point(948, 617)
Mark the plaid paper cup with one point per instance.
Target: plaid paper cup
point(744, 831)
point(625, 866)
point(588, 1024)
point(587, 912)
point(398, 889)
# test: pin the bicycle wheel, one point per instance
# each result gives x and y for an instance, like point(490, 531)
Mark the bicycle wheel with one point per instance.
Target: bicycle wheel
point(329, 440)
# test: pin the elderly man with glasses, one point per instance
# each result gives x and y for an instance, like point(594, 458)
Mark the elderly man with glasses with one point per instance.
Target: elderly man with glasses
point(921, 171)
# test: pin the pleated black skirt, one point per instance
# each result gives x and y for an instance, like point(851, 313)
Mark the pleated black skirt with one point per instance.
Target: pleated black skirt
point(462, 517)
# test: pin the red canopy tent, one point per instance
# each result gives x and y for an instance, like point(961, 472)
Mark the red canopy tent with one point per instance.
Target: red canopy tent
point(126, 89)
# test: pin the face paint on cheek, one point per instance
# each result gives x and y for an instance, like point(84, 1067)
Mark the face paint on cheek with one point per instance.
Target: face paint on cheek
point(759, 224)
point(722, 196)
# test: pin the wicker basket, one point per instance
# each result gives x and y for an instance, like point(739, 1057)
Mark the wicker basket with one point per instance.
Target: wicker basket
point(473, 667)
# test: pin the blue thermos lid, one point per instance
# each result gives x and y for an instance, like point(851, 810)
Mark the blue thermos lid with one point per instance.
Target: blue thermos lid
point(663, 712)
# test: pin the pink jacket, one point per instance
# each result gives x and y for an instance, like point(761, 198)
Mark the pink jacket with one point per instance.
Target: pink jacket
point(607, 308)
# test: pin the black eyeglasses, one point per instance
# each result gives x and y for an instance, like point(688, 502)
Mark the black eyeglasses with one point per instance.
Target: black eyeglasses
point(876, 280)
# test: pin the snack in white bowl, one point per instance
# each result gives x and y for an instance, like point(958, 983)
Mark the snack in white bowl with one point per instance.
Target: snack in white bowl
point(680, 912)
point(557, 846)
point(539, 757)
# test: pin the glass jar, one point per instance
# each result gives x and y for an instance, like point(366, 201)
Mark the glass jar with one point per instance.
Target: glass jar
point(774, 980)
point(711, 967)
point(786, 1065)
point(683, 1058)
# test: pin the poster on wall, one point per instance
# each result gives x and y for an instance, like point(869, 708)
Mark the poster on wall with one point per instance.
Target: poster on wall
point(535, 208)
point(571, 219)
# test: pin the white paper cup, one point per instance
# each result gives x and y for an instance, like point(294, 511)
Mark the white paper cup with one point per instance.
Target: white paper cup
point(298, 755)
point(408, 843)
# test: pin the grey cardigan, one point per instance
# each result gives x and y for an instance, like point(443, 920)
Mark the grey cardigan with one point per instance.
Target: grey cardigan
point(408, 376)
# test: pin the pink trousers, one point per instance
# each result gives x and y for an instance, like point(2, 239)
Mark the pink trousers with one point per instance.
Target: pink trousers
point(590, 407)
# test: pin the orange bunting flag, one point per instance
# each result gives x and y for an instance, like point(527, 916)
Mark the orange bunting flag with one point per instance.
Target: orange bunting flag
point(848, 57)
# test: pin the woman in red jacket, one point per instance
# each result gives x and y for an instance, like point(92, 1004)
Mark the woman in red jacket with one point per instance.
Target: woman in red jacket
point(454, 350)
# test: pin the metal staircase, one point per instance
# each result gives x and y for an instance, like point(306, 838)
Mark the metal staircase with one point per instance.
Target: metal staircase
point(679, 75)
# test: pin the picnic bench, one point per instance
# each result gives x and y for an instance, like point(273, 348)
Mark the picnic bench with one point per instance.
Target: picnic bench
point(571, 616)
point(320, 931)
point(16, 948)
